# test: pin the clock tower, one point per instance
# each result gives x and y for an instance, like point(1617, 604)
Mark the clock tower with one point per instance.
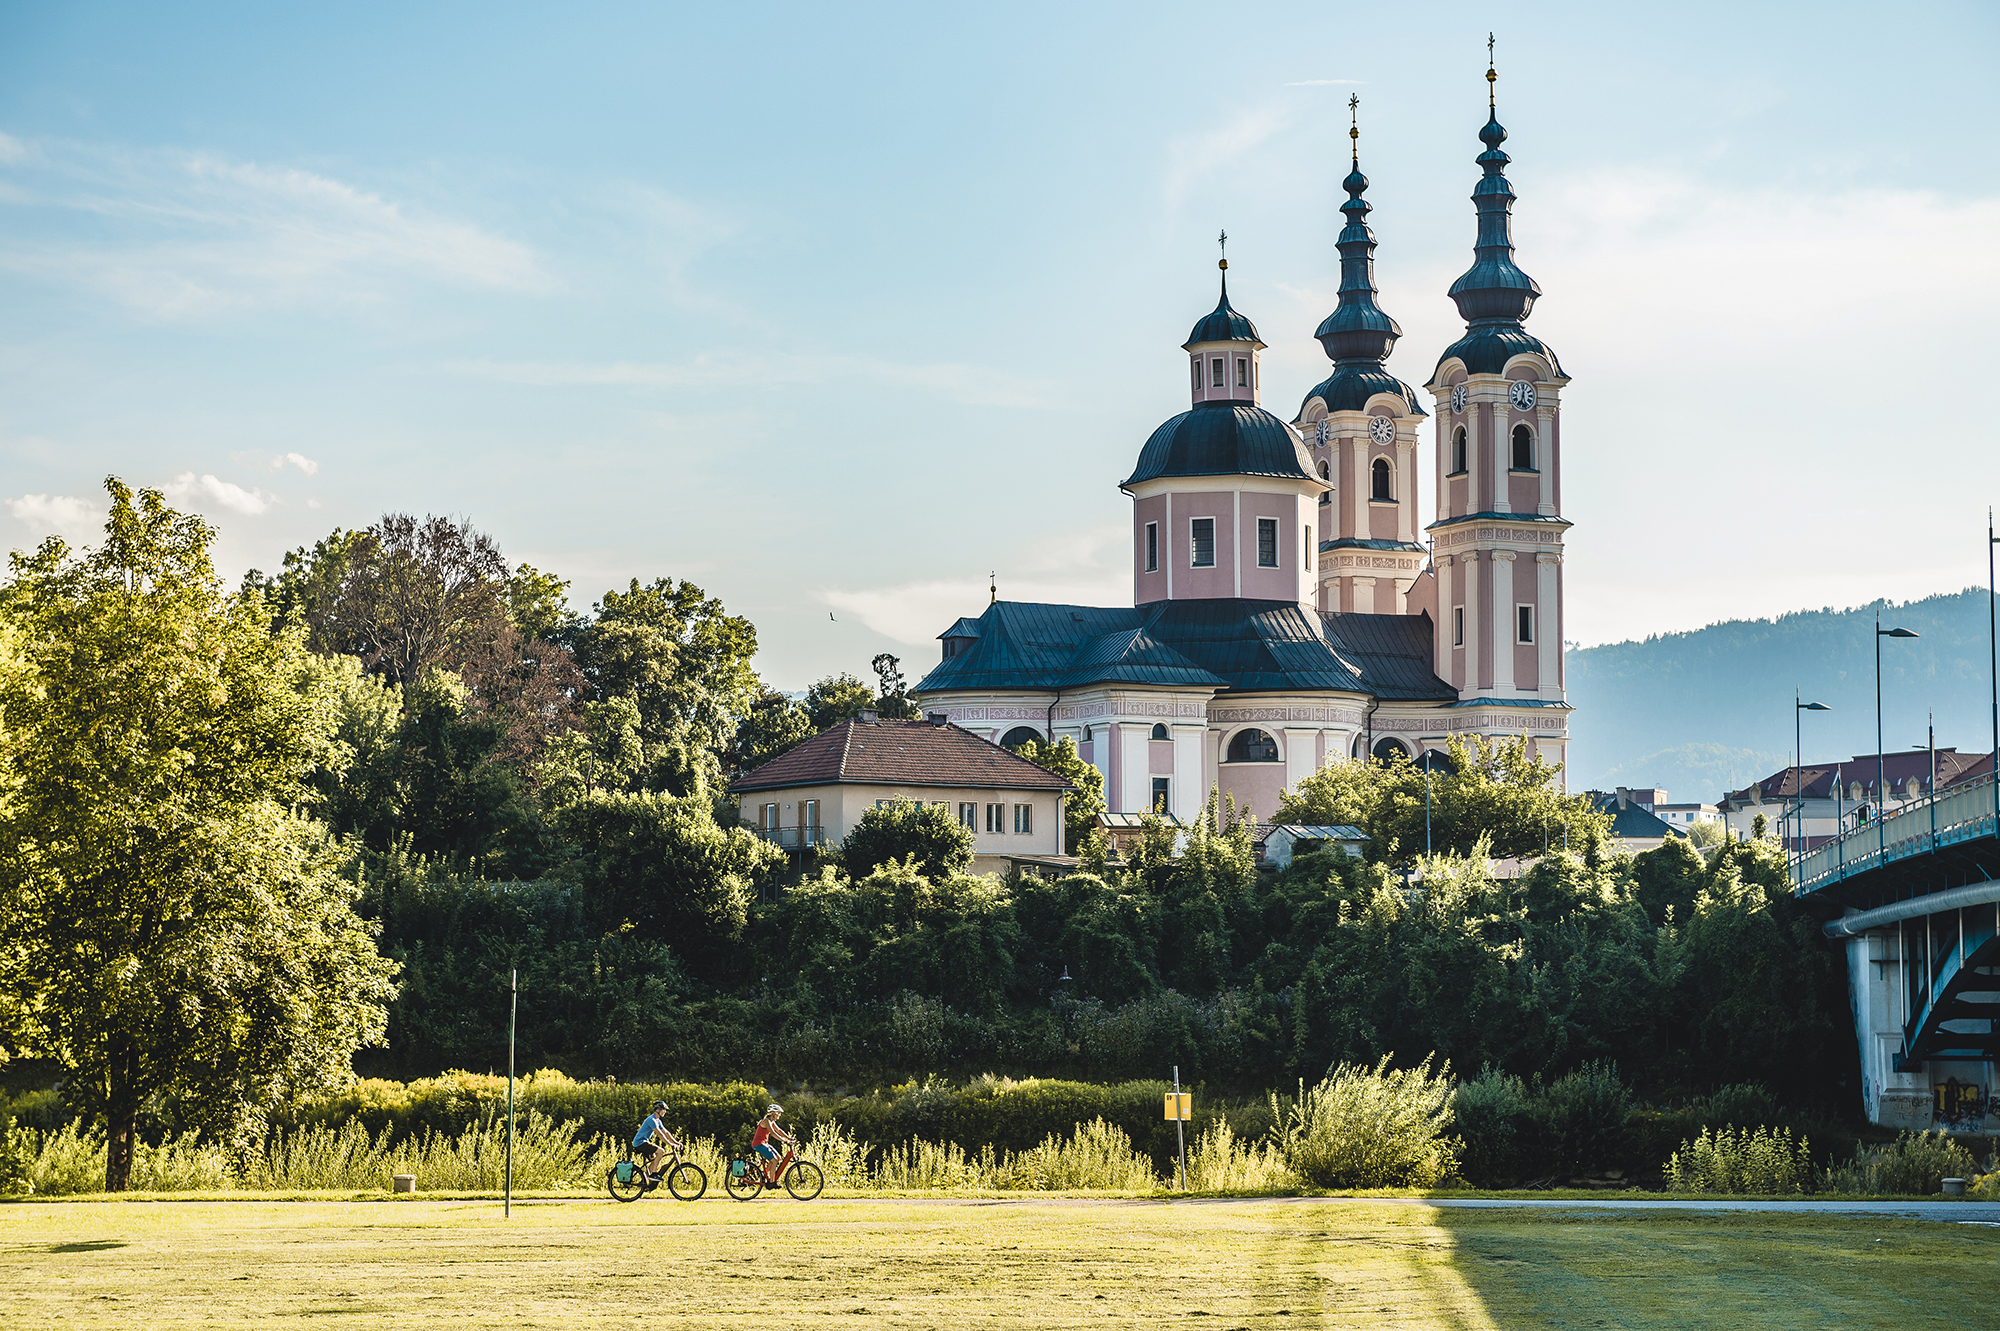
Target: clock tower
point(1497, 541)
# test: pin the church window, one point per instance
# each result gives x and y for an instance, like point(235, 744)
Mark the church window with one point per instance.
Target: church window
point(1524, 629)
point(1159, 731)
point(1215, 373)
point(1242, 372)
point(1524, 448)
point(1162, 790)
point(1253, 746)
point(1018, 736)
point(1201, 533)
point(1458, 451)
point(1196, 364)
point(1267, 542)
point(1152, 547)
point(1309, 547)
point(1382, 488)
point(1389, 750)
point(1458, 626)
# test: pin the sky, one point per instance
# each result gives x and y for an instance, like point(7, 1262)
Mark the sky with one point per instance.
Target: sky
point(836, 310)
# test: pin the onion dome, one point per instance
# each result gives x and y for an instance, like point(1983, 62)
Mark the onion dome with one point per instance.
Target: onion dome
point(1223, 324)
point(1223, 439)
point(1494, 295)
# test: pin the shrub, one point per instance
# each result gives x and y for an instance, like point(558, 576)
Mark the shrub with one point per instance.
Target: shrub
point(922, 1166)
point(453, 1102)
point(318, 1157)
point(1096, 1155)
point(1741, 1160)
point(65, 1162)
point(1583, 1118)
point(842, 1159)
point(1495, 1118)
point(547, 1154)
point(181, 1164)
point(1915, 1164)
point(906, 829)
point(1218, 1162)
point(1372, 1128)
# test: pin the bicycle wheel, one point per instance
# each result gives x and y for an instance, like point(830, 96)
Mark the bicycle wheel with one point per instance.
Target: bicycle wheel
point(803, 1180)
point(749, 1184)
point(629, 1191)
point(687, 1182)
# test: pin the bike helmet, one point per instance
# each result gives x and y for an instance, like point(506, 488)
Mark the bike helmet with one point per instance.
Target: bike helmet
point(659, 1106)
point(774, 1109)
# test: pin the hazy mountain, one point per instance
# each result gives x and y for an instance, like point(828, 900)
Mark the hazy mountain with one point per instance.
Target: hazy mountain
point(1704, 711)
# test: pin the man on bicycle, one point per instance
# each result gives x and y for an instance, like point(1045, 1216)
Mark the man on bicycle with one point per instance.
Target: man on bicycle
point(655, 1137)
point(760, 1140)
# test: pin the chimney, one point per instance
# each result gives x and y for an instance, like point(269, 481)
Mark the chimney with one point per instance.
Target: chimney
point(1624, 798)
point(935, 718)
point(869, 716)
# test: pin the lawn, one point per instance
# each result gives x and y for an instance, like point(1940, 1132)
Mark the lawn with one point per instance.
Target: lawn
point(1053, 1262)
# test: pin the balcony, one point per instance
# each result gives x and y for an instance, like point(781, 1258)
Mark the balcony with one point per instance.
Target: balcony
point(790, 838)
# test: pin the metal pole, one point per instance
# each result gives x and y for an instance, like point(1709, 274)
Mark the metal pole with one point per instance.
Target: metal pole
point(1427, 804)
point(1180, 1129)
point(1798, 794)
point(1930, 733)
point(1993, 652)
point(513, 1007)
point(1881, 833)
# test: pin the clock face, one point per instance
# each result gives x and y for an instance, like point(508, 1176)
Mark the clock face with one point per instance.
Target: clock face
point(1523, 395)
point(1458, 397)
point(1382, 430)
point(1320, 433)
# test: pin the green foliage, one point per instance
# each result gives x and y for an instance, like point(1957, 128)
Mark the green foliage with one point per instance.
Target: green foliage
point(774, 725)
point(186, 927)
point(925, 835)
point(1091, 1156)
point(1741, 1160)
point(1085, 801)
point(1490, 791)
point(1371, 1128)
point(1219, 1162)
point(892, 696)
point(835, 699)
point(1914, 1165)
point(674, 651)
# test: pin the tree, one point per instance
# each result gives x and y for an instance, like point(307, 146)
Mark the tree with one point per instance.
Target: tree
point(1086, 798)
point(775, 725)
point(893, 698)
point(188, 934)
point(835, 699)
point(904, 829)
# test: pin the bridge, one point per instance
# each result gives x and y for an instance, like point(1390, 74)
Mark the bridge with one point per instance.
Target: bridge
point(1915, 896)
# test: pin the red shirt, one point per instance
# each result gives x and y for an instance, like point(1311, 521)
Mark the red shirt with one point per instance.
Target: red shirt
point(761, 1135)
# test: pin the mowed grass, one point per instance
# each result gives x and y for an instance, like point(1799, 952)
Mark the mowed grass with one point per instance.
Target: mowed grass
point(1057, 1262)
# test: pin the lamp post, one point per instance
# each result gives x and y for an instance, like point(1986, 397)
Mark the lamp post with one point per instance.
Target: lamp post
point(1429, 762)
point(1993, 653)
point(1881, 833)
point(1798, 791)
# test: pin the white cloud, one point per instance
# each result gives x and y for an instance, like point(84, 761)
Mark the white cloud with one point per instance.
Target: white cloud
point(303, 463)
point(11, 149)
point(1194, 156)
point(187, 487)
point(68, 516)
point(197, 237)
point(969, 385)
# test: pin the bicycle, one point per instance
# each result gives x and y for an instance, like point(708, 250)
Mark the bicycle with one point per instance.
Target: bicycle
point(801, 1178)
point(628, 1180)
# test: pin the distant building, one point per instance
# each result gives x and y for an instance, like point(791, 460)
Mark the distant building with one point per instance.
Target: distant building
point(1680, 817)
point(813, 795)
point(1276, 845)
point(1828, 795)
point(1633, 826)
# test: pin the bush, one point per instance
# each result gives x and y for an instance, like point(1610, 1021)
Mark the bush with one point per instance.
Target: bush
point(65, 1162)
point(1915, 1164)
point(1372, 1128)
point(1764, 1161)
point(1583, 1118)
point(1495, 1118)
point(1095, 1155)
point(905, 829)
point(1218, 1162)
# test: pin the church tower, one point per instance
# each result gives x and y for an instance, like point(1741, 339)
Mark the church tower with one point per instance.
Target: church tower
point(1497, 541)
point(1361, 425)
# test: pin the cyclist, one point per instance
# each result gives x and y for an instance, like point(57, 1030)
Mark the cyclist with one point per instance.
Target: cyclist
point(760, 1140)
point(654, 1136)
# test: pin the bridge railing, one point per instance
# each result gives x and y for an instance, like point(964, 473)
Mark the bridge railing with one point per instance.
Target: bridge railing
point(1959, 813)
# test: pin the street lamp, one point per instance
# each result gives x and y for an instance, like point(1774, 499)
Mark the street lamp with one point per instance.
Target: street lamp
point(1430, 760)
point(1881, 833)
point(1798, 791)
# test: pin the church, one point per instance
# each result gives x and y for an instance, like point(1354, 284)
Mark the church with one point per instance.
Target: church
point(1285, 613)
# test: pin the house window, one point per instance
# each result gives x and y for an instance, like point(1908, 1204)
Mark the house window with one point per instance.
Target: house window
point(1202, 537)
point(1267, 542)
point(1215, 373)
point(808, 813)
point(968, 817)
point(1524, 448)
point(1242, 372)
point(1160, 731)
point(1252, 746)
point(1524, 623)
point(1381, 470)
point(996, 817)
point(1152, 547)
point(1024, 819)
point(1162, 794)
point(1458, 626)
point(767, 817)
point(1458, 451)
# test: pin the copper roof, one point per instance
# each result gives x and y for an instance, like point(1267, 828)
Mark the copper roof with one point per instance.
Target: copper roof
point(899, 753)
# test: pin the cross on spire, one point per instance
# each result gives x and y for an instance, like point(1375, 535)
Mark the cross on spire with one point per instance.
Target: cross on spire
point(1222, 243)
point(1491, 76)
point(1354, 124)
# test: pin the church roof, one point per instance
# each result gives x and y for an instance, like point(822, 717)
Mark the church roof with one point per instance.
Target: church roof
point(1223, 439)
point(1239, 645)
point(1350, 386)
point(1223, 324)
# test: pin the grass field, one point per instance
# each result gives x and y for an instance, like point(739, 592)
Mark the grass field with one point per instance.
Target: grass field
point(1055, 1262)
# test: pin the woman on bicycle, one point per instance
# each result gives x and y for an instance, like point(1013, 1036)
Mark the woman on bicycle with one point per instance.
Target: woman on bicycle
point(760, 1140)
point(654, 1136)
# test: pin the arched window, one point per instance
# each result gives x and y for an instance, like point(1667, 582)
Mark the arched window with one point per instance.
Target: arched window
point(1253, 746)
point(1381, 470)
point(1325, 474)
point(1087, 734)
point(1359, 749)
point(1524, 448)
point(1458, 450)
point(1018, 736)
point(1388, 750)
point(1159, 731)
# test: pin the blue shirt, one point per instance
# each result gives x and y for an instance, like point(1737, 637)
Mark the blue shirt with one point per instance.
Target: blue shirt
point(644, 1137)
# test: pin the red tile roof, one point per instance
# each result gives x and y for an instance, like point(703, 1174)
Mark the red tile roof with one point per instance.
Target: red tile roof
point(900, 753)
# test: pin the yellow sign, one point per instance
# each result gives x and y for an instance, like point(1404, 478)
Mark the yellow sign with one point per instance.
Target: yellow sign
point(1184, 1109)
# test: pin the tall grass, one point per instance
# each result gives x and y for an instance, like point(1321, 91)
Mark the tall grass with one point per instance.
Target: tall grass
point(921, 1166)
point(1096, 1156)
point(1217, 1162)
point(70, 1161)
point(1764, 1161)
point(1371, 1128)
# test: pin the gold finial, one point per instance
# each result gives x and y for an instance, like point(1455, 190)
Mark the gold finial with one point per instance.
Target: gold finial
point(1222, 241)
point(1491, 77)
point(1354, 124)
point(992, 587)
